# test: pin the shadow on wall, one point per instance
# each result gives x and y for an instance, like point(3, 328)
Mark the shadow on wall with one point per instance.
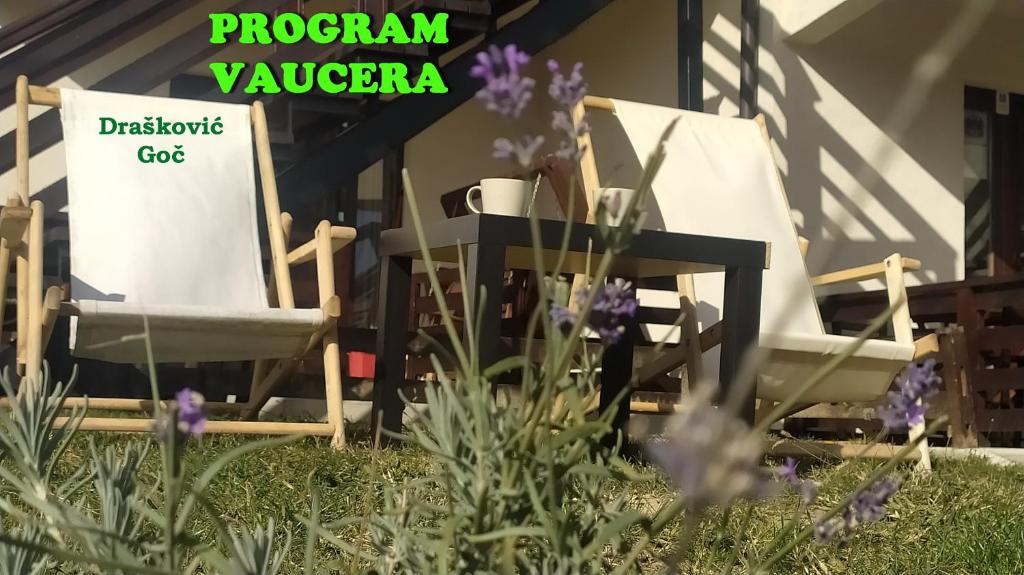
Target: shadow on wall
point(811, 140)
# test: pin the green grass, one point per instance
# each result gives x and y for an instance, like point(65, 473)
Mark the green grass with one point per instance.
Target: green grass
point(967, 517)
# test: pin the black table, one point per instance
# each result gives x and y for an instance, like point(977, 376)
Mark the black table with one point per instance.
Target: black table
point(493, 243)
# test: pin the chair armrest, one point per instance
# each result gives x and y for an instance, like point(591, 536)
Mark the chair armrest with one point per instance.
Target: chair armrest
point(861, 273)
point(340, 237)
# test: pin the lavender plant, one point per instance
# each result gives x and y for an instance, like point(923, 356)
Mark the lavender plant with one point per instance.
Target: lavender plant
point(103, 517)
point(529, 485)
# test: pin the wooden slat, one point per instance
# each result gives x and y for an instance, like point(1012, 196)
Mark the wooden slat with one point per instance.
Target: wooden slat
point(13, 223)
point(126, 425)
point(340, 237)
point(43, 96)
point(1000, 420)
point(855, 411)
point(675, 357)
point(861, 273)
point(123, 404)
point(1001, 338)
point(835, 449)
point(997, 379)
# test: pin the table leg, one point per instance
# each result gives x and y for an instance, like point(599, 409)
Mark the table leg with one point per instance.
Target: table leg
point(616, 372)
point(392, 329)
point(742, 323)
point(485, 267)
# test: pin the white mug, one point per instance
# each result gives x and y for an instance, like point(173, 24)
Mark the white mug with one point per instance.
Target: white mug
point(624, 196)
point(501, 196)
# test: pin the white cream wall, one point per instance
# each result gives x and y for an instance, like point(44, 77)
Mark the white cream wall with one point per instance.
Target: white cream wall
point(628, 51)
point(858, 194)
point(861, 193)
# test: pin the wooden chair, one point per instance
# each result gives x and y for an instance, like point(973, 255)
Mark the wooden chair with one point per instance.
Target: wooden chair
point(719, 178)
point(222, 325)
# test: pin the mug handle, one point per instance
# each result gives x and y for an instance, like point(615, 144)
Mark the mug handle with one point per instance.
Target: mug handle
point(469, 199)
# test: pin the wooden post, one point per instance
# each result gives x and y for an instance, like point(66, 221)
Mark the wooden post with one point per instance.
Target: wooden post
point(34, 351)
point(50, 311)
point(22, 167)
point(690, 45)
point(278, 249)
point(332, 354)
point(21, 154)
point(903, 329)
point(5, 268)
point(750, 15)
point(690, 334)
point(959, 395)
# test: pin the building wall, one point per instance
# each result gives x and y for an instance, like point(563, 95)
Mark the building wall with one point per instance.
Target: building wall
point(861, 184)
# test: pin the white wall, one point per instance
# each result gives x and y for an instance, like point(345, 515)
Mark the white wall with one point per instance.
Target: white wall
point(628, 51)
point(864, 187)
point(859, 189)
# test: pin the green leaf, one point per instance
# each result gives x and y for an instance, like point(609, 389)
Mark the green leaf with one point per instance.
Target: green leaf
point(506, 532)
point(577, 432)
point(81, 559)
point(506, 365)
point(613, 529)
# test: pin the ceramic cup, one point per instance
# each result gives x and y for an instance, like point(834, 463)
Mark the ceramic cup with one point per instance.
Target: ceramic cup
point(501, 196)
point(618, 198)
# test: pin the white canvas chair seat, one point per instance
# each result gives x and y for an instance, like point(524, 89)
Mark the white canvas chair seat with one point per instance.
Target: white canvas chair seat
point(794, 358)
point(191, 333)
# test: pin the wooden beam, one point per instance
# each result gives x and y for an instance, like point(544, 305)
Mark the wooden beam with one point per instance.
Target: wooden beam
point(835, 449)
point(750, 16)
point(861, 273)
point(126, 425)
point(123, 404)
point(139, 76)
point(95, 30)
point(26, 29)
point(339, 105)
point(391, 184)
point(340, 237)
point(13, 222)
point(403, 118)
point(690, 44)
point(675, 357)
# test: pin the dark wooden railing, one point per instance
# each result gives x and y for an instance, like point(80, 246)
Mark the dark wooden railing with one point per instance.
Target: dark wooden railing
point(981, 349)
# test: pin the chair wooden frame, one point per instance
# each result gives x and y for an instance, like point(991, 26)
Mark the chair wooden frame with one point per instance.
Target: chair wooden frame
point(21, 234)
point(693, 342)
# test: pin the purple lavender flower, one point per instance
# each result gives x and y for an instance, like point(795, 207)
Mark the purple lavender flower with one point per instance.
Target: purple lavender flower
point(191, 419)
point(712, 457)
point(808, 490)
point(567, 92)
point(523, 151)
point(613, 304)
point(867, 506)
point(506, 91)
point(563, 317)
point(907, 404)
